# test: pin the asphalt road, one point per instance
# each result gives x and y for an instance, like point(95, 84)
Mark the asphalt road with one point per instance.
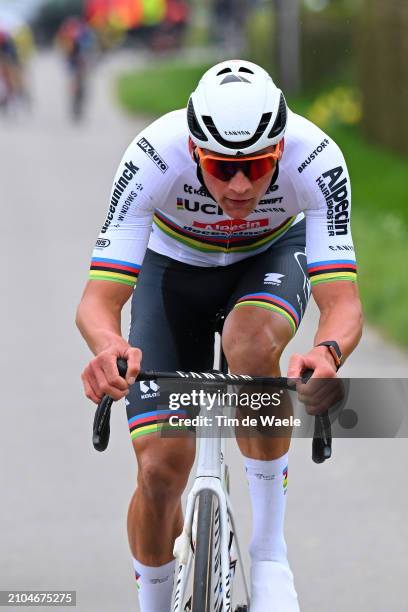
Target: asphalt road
point(63, 506)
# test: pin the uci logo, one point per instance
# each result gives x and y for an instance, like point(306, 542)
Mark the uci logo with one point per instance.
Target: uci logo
point(207, 208)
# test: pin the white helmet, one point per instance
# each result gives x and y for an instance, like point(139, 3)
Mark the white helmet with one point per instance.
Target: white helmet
point(236, 109)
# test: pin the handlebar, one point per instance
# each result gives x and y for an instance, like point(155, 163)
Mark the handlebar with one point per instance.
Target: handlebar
point(322, 438)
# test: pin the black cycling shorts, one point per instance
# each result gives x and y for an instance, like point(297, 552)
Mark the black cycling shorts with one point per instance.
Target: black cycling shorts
point(175, 304)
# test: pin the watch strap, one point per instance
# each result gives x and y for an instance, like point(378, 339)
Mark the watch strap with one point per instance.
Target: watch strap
point(334, 351)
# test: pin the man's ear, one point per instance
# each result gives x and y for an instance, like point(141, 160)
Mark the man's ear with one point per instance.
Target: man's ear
point(192, 147)
point(281, 148)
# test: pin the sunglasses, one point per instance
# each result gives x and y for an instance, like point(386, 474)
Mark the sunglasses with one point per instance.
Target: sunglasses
point(225, 168)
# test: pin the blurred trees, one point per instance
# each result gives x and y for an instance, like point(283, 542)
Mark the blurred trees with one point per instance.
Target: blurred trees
point(323, 40)
point(288, 44)
point(383, 44)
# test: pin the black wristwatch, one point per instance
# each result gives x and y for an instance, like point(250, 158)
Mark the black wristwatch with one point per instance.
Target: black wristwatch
point(334, 351)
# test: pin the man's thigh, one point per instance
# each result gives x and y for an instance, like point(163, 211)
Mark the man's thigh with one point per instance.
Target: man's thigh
point(174, 332)
point(277, 280)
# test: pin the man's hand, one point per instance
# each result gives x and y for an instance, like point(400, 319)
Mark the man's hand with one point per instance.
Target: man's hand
point(323, 390)
point(101, 376)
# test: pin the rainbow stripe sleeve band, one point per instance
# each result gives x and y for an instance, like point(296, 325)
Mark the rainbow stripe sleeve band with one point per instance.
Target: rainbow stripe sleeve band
point(114, 270)
point(329, 271)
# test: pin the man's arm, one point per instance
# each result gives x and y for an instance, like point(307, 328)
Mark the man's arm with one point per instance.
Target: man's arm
point(341, 319)
point(341, 315)
point(99, 321)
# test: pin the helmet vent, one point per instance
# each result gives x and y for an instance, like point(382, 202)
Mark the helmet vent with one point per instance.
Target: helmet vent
point(280, 120)
point(193, 124)
point(224, 71)
point(232, 78)
point(243, 69)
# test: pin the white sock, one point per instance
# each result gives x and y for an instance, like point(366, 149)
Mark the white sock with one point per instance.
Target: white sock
point(267, 487)
point(155, 586)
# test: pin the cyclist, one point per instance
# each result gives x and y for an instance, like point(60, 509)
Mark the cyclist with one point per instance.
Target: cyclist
point(10, 75)
point(213, 207)
point(77, 41)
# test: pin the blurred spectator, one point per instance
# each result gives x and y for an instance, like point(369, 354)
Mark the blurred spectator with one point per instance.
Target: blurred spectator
point(78, 44)
point(228, 23)
point(170, 31)
point(12, 79)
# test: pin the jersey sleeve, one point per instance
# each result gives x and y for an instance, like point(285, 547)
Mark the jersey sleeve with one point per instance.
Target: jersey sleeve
point(325, 189)
point(142, 180)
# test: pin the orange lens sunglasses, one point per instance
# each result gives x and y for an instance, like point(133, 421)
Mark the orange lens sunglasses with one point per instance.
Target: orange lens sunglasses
point(254, 167)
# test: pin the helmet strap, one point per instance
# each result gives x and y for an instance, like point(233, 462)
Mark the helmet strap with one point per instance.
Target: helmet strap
point(200, 176)
point(275, 176)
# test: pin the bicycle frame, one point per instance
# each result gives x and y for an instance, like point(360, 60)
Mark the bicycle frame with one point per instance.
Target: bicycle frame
point(211, 474)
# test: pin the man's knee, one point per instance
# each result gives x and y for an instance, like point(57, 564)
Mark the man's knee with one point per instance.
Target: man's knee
point(254, 339)
point(164, 467)
point(258, 345)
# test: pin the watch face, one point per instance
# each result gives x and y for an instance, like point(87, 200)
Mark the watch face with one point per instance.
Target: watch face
point(334, 351)
point(336, 356)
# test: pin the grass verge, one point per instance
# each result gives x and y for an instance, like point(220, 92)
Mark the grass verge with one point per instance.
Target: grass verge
point(158, 89)
point(380, 214)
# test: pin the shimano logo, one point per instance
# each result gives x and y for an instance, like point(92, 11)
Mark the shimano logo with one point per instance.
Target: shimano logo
point(153, 154)
point(237, 133)
point(149, 389)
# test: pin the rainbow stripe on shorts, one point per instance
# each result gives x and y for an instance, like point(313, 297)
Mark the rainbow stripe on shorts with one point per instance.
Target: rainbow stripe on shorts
point(273, 303)
point(154, 421)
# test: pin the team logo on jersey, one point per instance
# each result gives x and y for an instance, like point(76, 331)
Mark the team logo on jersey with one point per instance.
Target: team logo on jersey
point(335, 192)
point(273, 278)
point(232, 225)
point(118, 188)
point(149, 389)
point(102, 243)
point(341, 247)
point(151, 152)
point(313, 155)
point(201, 191)
point(266, 205)
point(263, 202)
